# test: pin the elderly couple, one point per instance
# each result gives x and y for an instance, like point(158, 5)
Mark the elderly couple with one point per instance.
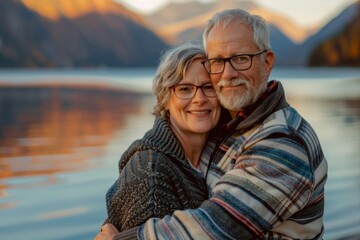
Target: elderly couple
point(250, 168)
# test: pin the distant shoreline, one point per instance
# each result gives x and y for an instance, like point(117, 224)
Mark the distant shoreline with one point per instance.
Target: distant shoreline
point(75, 86)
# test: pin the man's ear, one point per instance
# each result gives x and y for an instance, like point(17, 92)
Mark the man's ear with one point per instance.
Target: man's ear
point(269, 61)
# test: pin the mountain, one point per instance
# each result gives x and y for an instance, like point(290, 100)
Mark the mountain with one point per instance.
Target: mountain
point(342, 49)
point(76, 33)
point(102, 33)
point(55, 9)
point(330, 30)
point(174, 19)
point(179, 22)
point(22, 32)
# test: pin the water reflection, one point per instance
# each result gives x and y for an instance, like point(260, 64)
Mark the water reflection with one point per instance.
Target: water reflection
point(54, 129)
point(59, 148)
point(337, 123)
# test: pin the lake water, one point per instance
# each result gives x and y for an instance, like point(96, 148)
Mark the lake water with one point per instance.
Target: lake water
point(63, 131)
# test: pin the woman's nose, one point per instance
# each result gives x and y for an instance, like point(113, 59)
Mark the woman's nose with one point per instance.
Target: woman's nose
point(199, 95)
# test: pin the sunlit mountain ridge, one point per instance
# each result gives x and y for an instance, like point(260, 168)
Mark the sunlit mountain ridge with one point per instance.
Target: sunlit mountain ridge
point(55, 9)
point(175, 18)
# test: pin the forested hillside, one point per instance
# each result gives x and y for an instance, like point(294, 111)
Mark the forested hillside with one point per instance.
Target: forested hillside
point(341, 50)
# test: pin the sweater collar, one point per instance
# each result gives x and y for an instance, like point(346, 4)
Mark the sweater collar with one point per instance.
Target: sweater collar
point(160, 139)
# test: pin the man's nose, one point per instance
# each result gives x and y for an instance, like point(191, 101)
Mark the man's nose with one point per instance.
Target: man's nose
point(229, 72)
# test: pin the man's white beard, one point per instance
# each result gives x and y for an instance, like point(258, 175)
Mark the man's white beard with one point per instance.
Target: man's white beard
point(236, 102)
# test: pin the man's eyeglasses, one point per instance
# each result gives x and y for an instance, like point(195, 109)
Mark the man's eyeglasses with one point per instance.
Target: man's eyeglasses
point(187, 91)
point(239, 62)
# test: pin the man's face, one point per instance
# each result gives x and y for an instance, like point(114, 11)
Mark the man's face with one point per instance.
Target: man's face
point(238, 89)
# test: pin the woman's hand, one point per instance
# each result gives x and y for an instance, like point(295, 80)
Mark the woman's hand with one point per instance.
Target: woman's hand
point(108, 231)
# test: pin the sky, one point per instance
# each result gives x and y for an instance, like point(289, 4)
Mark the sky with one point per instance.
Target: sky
point(306, 13)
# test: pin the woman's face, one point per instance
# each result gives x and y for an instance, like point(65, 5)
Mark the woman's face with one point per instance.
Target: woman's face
point(196, 115)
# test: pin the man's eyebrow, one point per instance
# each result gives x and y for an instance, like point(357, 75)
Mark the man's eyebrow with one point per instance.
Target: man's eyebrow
point(216, 56)
point(221, 56)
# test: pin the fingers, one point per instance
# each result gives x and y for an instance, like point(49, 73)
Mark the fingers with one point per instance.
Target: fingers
point(107, 232)
point(100, 236)
point(108, 227)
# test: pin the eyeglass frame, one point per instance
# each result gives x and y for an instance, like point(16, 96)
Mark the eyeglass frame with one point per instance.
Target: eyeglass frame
point(228, 59)
point(197, 87)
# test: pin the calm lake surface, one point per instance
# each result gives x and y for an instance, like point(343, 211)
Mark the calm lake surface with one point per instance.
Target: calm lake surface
point(63, 131)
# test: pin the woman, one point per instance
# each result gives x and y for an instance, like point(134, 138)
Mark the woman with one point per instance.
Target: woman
point(158, 173)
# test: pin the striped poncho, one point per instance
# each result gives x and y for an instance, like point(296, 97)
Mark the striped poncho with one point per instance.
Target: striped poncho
point(266, 180)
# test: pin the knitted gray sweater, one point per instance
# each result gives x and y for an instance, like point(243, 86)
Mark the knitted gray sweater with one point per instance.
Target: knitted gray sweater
point(155, 180)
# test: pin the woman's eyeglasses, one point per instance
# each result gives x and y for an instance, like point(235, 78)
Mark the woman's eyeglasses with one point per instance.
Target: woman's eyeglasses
point(187, 91)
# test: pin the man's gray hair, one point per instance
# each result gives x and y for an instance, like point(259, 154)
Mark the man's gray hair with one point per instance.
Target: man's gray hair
point(256, 23)
point(171, 70)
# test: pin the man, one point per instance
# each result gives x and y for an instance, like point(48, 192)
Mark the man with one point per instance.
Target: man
point(266, 177)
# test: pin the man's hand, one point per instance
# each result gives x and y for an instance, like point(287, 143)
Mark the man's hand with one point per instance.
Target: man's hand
point(108, 231)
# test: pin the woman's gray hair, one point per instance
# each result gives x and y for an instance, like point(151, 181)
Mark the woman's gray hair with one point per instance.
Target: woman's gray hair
point(256, 23)
point(172, 68)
